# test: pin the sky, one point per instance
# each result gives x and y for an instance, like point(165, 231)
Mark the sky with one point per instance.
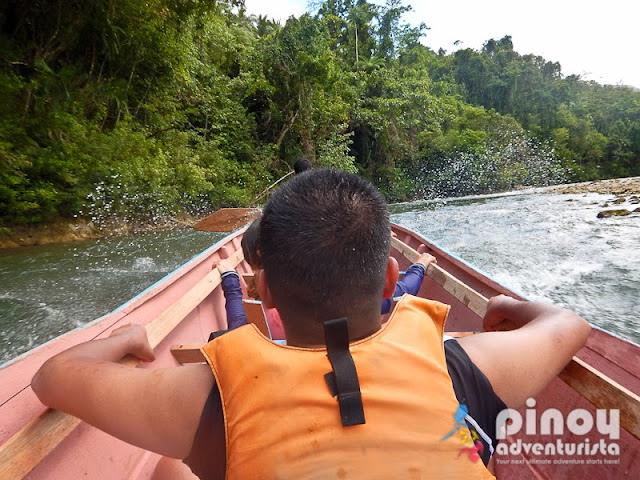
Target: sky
point(597, 40)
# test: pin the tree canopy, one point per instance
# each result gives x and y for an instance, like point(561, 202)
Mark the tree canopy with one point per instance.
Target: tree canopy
point(150, 109)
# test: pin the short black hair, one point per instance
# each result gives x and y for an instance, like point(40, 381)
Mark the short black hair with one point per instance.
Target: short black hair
point(324, 244)
point(301, 165)
point(249, 244)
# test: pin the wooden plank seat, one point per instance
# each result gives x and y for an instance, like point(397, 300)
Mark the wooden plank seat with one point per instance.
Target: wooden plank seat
point(255, 315)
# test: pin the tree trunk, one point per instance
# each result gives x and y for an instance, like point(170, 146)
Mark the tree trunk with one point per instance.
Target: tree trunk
point(285, 130)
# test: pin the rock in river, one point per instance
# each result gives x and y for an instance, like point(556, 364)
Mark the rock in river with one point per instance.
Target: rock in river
point(614, 213)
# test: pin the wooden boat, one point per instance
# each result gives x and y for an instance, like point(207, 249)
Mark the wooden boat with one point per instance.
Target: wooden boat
point(185, 306)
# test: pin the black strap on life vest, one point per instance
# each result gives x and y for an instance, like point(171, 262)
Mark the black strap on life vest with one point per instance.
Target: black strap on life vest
point(343, 381)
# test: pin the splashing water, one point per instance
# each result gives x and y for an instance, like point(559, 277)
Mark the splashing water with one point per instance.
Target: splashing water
point(507, 162)
point(114, 202)
point(548, 247)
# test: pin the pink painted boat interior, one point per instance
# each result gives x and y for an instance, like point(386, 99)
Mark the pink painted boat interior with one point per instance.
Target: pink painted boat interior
point(89, 453)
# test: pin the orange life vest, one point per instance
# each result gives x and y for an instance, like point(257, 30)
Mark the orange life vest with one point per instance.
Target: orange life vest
point(281, 420)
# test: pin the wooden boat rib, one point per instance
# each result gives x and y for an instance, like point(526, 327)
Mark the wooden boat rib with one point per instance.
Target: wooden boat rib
point(188, 304)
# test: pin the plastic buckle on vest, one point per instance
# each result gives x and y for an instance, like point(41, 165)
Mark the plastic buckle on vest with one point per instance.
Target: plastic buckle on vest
point(343, 381)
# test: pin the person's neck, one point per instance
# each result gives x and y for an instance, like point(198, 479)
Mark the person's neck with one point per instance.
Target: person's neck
point(310, 334)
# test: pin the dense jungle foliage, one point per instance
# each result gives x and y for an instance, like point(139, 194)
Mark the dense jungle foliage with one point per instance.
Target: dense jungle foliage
point(150, 109)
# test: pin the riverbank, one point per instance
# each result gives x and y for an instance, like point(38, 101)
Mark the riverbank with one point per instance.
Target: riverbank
point(72, 231)
point(625, 191)
point(615, 186)
point(58, 232)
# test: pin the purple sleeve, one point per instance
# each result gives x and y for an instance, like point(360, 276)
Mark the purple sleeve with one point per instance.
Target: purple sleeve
point(233, 305)
point(410, 283)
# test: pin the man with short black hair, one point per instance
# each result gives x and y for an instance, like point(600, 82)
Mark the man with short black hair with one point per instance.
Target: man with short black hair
point(345, 398)
point(324, 241)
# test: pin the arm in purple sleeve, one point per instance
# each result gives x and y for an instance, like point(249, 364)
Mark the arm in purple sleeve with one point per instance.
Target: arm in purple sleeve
point(410, 283)
point(233, 296)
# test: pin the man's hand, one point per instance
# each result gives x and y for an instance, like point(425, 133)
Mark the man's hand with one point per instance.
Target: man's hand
point(503, 314)
point(224, 266)
point(137, 342)
point(425, 258)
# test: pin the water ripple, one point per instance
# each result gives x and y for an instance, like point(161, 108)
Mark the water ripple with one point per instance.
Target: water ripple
point(49, 290)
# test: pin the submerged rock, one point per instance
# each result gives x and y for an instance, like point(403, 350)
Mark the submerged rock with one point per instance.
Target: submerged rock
point(614, 213)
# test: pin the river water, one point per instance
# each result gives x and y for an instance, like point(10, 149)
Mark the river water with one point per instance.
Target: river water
point(545, 246)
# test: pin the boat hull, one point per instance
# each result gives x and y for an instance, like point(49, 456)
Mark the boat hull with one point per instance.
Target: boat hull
point(89, 453)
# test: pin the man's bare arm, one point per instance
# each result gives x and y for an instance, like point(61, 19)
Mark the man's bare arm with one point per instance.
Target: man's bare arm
point(520, 363)
point(158, 410)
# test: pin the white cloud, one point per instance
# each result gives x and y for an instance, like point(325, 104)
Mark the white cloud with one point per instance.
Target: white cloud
point(278, 10)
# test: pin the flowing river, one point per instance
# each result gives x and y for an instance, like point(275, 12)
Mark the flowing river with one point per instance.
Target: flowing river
point(545, 246)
